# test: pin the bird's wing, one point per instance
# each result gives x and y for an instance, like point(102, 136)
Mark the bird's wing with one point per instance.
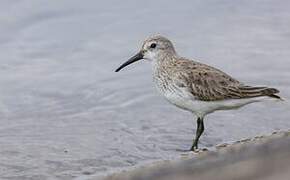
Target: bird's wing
point(210, 84)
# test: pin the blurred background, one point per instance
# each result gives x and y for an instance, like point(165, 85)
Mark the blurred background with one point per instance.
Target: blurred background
point(65, 113)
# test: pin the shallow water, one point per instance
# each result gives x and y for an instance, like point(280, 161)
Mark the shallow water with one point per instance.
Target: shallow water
point(66, 115)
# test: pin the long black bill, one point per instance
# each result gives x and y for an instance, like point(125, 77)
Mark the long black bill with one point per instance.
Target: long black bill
point(133, 59)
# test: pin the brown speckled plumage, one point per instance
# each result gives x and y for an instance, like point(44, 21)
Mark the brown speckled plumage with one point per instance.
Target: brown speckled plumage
point(208, 83)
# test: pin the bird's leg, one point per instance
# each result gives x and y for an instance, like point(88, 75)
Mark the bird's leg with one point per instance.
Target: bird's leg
point(199, 131)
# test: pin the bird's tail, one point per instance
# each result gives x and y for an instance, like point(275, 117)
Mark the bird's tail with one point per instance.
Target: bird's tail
point(249, 91)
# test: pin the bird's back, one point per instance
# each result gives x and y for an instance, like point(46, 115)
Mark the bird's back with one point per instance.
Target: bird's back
point(207, 83)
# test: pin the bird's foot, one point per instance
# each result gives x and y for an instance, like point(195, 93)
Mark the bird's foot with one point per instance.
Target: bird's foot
point(197, 150)
point(194, 147)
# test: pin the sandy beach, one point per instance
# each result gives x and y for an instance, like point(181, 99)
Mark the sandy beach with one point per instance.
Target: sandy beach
point(258, 158)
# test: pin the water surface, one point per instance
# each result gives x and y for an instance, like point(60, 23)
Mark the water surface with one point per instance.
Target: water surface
point(65, 113)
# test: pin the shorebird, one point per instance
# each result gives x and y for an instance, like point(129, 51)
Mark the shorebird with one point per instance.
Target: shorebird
point(194, 86)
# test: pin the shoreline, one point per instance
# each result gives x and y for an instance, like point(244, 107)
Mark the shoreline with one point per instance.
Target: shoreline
point(261, 157)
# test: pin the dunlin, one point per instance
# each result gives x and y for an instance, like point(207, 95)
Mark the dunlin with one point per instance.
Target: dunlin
point(193, 86)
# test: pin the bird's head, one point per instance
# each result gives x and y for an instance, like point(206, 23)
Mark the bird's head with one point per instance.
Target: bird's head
point(155, 48)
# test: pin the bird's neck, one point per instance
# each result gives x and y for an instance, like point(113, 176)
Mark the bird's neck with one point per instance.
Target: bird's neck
point(165, 58)
point(164, 62)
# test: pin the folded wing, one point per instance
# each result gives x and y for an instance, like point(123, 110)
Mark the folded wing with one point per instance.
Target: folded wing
point(210, 84)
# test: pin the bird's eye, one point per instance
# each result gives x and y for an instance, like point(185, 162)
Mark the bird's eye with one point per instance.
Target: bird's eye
point(153, 45)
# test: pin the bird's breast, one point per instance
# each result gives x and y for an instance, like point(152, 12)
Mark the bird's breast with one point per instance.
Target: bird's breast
point(172, 92)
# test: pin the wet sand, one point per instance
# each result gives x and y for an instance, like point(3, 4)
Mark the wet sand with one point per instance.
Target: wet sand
point(261, 157)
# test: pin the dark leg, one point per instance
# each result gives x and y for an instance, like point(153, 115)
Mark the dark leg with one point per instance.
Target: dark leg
point(199, 131)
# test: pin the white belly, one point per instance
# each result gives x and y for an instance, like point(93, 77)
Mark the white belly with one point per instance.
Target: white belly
point(186, 101)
